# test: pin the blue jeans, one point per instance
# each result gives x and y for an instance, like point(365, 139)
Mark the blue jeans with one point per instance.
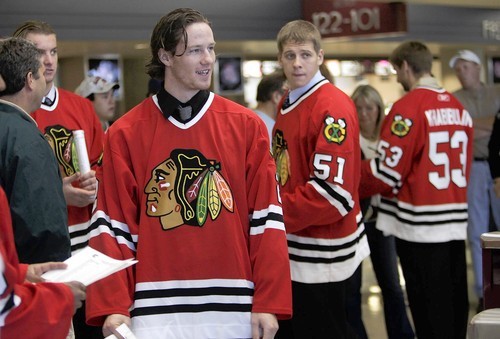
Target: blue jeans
point(384, 261)
point(481, 199)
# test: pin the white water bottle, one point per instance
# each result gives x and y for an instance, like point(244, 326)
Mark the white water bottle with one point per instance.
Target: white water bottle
point(81, 151)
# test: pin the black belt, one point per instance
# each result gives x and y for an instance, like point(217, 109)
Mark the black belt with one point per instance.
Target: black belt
point(480, 159)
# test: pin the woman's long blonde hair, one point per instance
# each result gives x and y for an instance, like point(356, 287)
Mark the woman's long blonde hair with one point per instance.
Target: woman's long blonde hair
point(370, 94)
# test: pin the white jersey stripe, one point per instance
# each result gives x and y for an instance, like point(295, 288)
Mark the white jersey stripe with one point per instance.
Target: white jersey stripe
point(269, 224)
point(160, 285)
point(100, 224)
point(444, 208)
point(222, 325)
point(79, 227)
point(426, 234)
point(426, 223)
point(15, 301)
point(332, 200)
point(211, 308)
point(197, 300)
point(265, 212)
point(272, 218)
point(79, 236)
point(325, 260)
point(385, 174)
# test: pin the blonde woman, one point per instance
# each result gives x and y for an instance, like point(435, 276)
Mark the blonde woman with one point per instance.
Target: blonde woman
point(370, 109)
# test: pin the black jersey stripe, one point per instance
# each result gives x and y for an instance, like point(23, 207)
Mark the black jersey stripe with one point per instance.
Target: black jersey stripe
point(262, 221)
point(445, 211)
point(193, 292)
point(423, 218)
point(324, 248)
point(9, 304)
point(76, 234)
point(430, 222)
point(316, 260)
point(79, 246)
point(187, 308)
point(386, 175)
point(114, 230)
point(335, 195)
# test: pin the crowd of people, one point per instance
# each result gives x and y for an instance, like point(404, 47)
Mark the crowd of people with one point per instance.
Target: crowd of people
point(245, 224)
point(33, 218)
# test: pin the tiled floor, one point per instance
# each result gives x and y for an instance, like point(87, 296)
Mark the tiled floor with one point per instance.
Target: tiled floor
point(373, 313)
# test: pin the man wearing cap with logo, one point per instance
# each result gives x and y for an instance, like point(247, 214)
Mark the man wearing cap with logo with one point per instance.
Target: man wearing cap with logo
point(483, 102)
point(101, 93)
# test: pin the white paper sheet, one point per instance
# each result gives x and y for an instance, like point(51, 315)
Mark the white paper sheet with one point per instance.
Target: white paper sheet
point(87, 266)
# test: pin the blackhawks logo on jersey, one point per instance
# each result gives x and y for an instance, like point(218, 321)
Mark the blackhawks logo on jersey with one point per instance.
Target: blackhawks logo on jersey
point(61, 141)
point(281, 157)
point(400, 126)
point(186, 189)
point(335, 131)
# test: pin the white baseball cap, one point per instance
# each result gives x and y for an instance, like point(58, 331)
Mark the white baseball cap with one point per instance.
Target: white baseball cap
point(92, 85)
point(466, 55)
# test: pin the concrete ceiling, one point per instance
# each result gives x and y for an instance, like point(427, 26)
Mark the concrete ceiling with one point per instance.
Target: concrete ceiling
point(122, 27)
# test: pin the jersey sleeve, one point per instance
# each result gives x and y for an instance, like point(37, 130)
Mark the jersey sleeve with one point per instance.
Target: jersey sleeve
point(401, 136)
point(333, 170)
point(268, 245)
point(28, 310)
point(114, 228)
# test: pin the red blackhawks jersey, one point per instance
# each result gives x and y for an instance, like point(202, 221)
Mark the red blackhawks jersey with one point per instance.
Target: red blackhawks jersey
point(197, 205)
point(423, 167)
point(27, 310)
point(317, 152)
point(68, 113)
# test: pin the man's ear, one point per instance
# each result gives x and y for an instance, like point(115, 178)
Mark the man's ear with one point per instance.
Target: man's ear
point(321, 57)
point(29, 80)
point(405, 66)
point(276, 97)
point(164, 57)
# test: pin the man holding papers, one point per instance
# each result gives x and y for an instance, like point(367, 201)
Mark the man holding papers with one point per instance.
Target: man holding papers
point(41, 310)
point(87, 267)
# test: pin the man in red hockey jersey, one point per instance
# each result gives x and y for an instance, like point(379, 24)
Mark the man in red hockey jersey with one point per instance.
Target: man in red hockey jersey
point(27, 310)
point(425, 154)
point(187, 186)
point(317, 152)
point(61, 113)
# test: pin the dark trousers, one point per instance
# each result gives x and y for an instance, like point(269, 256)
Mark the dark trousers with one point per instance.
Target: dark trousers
point(436, 284)
point(385, 265)
point(82, 330)
point(318, 313)
point(353, 303)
